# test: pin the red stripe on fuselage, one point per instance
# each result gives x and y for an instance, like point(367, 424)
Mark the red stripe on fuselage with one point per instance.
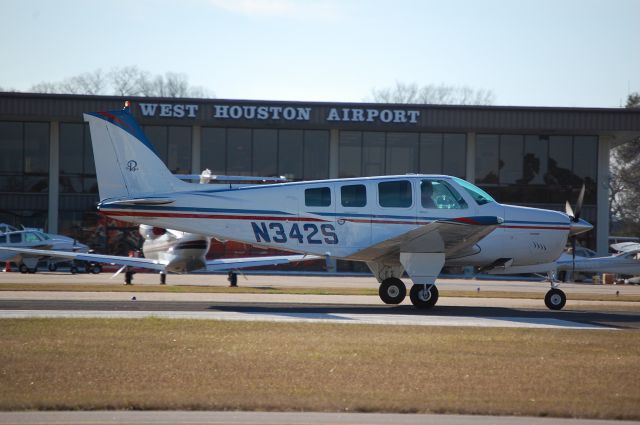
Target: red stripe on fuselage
point(536, 227)
point(272, 218)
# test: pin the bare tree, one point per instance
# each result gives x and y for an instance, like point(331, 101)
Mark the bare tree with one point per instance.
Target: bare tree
point(45, 87)
point(125, 81)
point(433, 94)
point(624, 181)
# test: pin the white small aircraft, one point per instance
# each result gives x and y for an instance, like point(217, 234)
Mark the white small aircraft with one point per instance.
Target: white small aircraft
point(165, 250)
point(626, 261)
point(412, 223)
point(15, 244)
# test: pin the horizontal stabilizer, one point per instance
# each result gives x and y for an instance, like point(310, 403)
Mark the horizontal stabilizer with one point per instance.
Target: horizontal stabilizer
point(222, 264)
point(140, 201)
point(96, 258)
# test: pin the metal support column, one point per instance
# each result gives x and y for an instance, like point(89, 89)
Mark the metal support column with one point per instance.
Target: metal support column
point(196, 144)
point(602, 197)
point(54, 172)
point(471, 158)
point(334, 148)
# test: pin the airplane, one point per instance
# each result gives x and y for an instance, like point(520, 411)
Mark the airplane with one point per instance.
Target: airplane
point(626, 261)
point(167, 250)
point(413, 223)
point(34, 239)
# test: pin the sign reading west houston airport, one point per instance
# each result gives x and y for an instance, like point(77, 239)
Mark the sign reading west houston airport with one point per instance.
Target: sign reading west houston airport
point(282, 113)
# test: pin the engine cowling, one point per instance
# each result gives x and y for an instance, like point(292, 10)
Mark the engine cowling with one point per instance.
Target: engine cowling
point(151, 232)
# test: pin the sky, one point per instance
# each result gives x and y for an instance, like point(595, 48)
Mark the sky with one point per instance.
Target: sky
point(581, 53)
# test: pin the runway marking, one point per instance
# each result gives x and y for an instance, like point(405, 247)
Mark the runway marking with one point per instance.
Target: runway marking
point(346, 318)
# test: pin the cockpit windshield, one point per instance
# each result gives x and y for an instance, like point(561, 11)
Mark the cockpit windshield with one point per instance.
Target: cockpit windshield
point(480, 196)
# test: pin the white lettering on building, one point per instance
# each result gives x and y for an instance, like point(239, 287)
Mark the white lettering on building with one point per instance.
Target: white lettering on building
point(396, 116)
point(236, 112)
point(168, 110)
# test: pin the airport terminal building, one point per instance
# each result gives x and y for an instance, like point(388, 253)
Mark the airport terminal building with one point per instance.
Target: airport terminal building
point(533, 156)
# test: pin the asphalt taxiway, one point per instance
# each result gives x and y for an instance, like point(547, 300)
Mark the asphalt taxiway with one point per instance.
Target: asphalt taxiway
point(346, 309)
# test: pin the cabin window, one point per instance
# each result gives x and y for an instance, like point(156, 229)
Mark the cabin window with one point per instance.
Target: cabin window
point(15, 238)
point(440, 195)
point(31, 237)
point(353, 195)
point(317, 197)
point(3, 239)
point(395, 194)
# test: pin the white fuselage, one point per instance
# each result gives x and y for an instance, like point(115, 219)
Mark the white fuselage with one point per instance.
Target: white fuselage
point(284, 216)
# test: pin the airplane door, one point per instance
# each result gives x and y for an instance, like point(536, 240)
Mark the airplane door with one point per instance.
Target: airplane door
point(353, 218)
point(316, 231)
point(393, 211)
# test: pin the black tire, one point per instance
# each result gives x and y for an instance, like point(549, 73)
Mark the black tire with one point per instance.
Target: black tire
point(163, 278)
point(233, 279)
point(555, 299)
point(23, 268)
point(52, 267)
point(128, 278)
point(96, 269)
point(392, 291)
point(419, 300)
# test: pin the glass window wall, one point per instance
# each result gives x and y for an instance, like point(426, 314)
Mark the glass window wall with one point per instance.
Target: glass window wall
point(295, 154)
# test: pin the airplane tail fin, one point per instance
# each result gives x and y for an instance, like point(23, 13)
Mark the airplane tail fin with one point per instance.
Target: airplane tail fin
point(127, 164)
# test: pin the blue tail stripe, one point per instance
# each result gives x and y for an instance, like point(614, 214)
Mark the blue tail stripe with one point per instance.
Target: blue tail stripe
point(123, 119)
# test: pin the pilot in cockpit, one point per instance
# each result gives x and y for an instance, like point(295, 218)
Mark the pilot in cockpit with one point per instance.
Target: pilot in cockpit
point(426, 189)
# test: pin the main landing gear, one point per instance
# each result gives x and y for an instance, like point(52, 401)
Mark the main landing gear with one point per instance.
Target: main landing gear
point(424, 296)
point(393, 291)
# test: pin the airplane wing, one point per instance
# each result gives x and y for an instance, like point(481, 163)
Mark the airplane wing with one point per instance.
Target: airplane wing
point(626, 247)
point(97, 258)
point(450, 236)
point(222, 264)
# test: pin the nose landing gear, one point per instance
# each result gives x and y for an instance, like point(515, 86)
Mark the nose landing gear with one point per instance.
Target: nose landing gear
point(555, 299)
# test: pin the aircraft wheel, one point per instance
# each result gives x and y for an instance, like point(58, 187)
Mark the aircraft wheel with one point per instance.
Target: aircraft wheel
point(128, 278)
point(52, 267)
point(423, 299)
point(23, 268)
point(392, 291)
point(163, 278)
point(555, 299)
point(96, 269)
point(233, 279)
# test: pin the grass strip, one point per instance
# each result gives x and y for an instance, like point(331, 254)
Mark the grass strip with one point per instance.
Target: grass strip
point(73, 287)
point(180, 364)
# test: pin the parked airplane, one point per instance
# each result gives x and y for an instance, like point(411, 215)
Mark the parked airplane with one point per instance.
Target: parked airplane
point(626, 261)
point(166, 250)
point(412, 223)
point(33, 239)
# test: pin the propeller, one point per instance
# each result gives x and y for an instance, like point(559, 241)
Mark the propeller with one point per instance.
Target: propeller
point(575, 218)
point(118, 272)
